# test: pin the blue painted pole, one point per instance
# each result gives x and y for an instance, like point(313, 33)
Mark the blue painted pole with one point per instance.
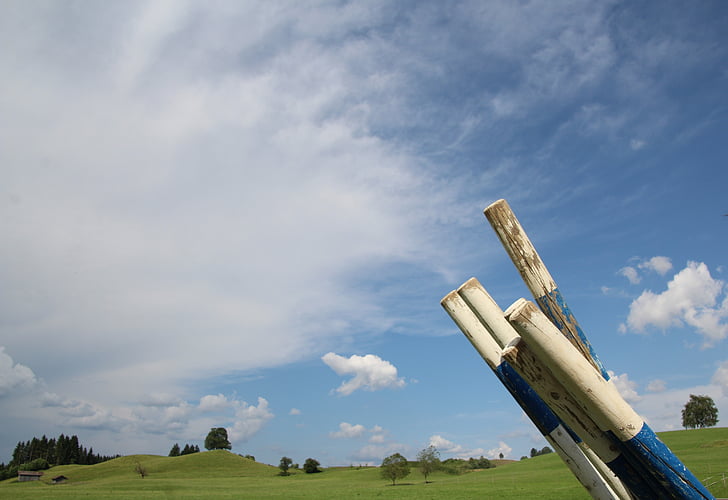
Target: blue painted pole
point(586, 467)
point(666, 474)
point(538, 279)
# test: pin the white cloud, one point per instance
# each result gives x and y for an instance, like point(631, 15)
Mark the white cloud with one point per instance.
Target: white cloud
point(211, 403)
point(294, 411)
point(501, 448)
point(691, 298)
point(377, 438)
point(371, 373)
point(656, 385)
point(346, 431)
point(637, 144)
point(720, 378)
point(14, 376)
point(631, 274)
point(661, 265)
point(662, 410)
point(249, 420)
point(626, 387)
point(84, 414)
point(447, 447)
point(172, 223)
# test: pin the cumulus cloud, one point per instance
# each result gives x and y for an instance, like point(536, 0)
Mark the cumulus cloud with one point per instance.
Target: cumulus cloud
point(626, 387)
point(210, 403)
point(692, 298)
point(370, 373)
point(346, 430)
point(659, 264)
point(720, 378)
point(349, 431)
point(14, 376)
point(501, 448)
point(447, 447)
point(84, 414)
point(250, 419)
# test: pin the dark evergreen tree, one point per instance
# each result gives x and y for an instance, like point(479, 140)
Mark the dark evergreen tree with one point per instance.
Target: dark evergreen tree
point(174, 452)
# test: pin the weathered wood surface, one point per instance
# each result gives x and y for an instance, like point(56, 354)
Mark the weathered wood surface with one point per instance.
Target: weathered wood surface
point(538, 279)
point(574, 454)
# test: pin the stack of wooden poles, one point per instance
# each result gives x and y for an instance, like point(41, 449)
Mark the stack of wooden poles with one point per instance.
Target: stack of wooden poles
point(543, 358)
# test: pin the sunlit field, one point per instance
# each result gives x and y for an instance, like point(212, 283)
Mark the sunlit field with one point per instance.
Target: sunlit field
point(221, 474)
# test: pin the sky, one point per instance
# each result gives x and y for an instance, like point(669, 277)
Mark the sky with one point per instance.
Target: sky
point(245, 214)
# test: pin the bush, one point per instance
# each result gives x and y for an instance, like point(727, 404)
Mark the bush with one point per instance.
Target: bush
point(37, 464)
point(311, 466)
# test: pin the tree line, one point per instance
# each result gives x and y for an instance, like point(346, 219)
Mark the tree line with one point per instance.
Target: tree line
point(428, 461)
point(187, 450)
point(43, 453)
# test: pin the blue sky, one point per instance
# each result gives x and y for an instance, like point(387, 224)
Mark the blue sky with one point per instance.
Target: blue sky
point(245, 215)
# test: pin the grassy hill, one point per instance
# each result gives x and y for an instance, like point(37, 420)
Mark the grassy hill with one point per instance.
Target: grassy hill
point(222, 475)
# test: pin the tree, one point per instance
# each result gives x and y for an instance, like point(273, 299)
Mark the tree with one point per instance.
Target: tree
point(174, 452)
point(284, 465)
point(217, 439)
point(140, 469)
point(311, 466)
point(543, 451)
point(394, 467)
point(699, 412)
point(429, 460)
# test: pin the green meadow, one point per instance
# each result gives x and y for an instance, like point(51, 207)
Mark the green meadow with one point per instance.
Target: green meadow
point(221, 474)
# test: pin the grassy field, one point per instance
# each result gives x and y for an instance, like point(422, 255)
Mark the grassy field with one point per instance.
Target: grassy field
point(220, 474)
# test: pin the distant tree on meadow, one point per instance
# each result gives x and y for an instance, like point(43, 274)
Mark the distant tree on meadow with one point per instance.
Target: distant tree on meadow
point(699, 412)
point(311, 466)
point(174, 452)
point(140, 469)
point(394, 467)
point(217, 439)
point(480, 463)
point(429, 461)
point(284, 465)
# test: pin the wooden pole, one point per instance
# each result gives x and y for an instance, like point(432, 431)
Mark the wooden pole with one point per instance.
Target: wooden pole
point(571, 451)
point(601, 400)
point(538, 279)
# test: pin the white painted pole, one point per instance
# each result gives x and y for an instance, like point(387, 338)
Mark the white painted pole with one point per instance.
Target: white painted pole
point(668, 477)
point(571, 453)
point(538, 279)
point(493, 318)
point(598, 398)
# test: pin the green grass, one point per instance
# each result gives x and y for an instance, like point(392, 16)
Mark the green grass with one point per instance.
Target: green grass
point(221, 475)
